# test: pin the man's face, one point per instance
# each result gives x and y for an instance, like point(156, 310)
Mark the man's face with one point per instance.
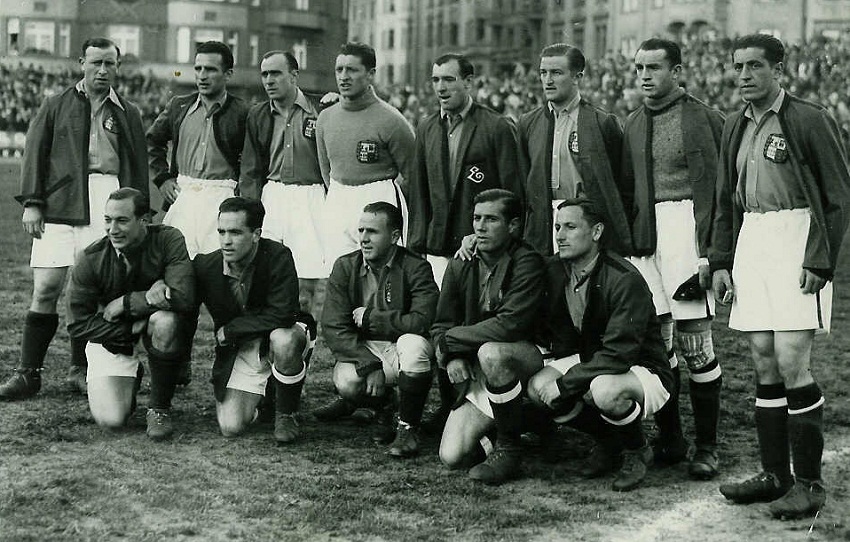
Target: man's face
point(210, 77)
point(656, 77)
point(450, 88)
point(576, 238)
point(376, 237)
point(237, 240)
point(757, 79)
point(559, 83)
point(278, 81)
point(493, 232)
point(100, 69)
point(352, 77)
point(123, 227)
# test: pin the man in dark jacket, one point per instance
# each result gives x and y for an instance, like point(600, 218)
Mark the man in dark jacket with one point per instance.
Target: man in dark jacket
point(670, 168)
point(606, 366)
point(487, 305)
point(781, 213)
point(206, 130)
point(83, 144)
point(461, 151)
point(570, 148)
point(280, 167)
point(135, 282)
point(251, 291)
point(379, 305)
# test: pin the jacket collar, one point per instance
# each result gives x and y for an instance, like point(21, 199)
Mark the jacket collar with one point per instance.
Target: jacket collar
point(112, 96)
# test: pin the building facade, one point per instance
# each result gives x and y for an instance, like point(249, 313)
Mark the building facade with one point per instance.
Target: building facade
point(162, 34)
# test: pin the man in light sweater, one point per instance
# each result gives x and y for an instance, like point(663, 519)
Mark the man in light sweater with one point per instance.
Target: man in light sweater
point(670, 165)
point(365, 151)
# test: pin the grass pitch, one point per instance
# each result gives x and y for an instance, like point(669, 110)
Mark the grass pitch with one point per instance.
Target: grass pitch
point(62, 478)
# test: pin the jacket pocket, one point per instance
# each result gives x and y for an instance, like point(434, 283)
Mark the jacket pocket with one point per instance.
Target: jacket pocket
point(696, 165)
point(64, 181)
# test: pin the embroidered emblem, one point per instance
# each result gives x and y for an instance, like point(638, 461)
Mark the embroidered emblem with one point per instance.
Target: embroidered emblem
point(367, 152)
point(388, 296)
point(572, 142)
point(109, 125)
point(309, 128)
point(776, 149)
point(475, 174)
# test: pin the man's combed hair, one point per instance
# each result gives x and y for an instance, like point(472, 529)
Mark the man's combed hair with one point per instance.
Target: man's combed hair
point(575, 58)
point(254, 211)
point(390, 211)
point(774, 51)
point(466, 67)
point(100, 43)
point(671, 49)
point(590, 211)
point(511, 205)
point(364, 51)
point(290, 58)
point(216, 47)
point(141, 203)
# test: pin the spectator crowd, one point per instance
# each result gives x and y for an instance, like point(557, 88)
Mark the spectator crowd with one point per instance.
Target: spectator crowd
point(817, 71)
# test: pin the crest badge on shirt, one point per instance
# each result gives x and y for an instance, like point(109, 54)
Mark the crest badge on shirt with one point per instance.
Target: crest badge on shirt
point(474, 173)
point(776, 149)
point(572, 142)
point(109, 125)
point(388, 292)
point(367, 152)
point(309, 128)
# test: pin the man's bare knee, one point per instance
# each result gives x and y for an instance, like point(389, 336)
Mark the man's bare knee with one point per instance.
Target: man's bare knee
point(163, 329)
point(348, 383)
point(492, 357)
point(414, 353)
point(287, 346)
point(606, 394)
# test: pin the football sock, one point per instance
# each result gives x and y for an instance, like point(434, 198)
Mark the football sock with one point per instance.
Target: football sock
point(165, 368)
point(705, 386)
point(772, 429)
point(39, 329)
point(668, 418)
point(413, 391)
point(288, 390)
point(805, 430)
point(628, 428)
point(78, 353)
point(506, 402)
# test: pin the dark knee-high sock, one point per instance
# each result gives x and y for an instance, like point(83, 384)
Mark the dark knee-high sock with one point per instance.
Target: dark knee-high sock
point(668, 419)
point(288, 391)
point(705, 386)
point(506, 402)
point(78, 353)
point(772, 428)
point(39, 329)
point(413, 391)
point(805, 430)
point(165, 369)
point(628, 427)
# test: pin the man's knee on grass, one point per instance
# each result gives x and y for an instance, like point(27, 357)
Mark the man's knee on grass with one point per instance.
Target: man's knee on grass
point(348, 383)
point(164, 330)
point(287, 346)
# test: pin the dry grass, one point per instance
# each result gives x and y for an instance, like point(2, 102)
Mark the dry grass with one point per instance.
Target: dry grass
point(62, 478)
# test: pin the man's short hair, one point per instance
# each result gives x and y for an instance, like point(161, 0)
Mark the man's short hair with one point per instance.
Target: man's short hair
point(255, 213)
point(590, 212)
point(216, 47)
point(671, 49)
point(390, 211)
point(141, 203)
point(575, 58)
point(290, 58)
point(466, 67)
point(511, 205)
point(364, 51)
point(100, 43)
point(774, 51)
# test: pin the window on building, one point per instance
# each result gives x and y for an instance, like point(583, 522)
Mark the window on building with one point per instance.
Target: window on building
point(578, 36)
point(556, 33)
point(303, 5)
point(601, 38)
point(630, 5)
point(13, 32)
point(203, 35)
point(390, 74)
point(210, 16)
point(429, 33)
point(233, 43)
point(65, 40)
point(454, 34)
point(39, 7)
point(40, 36)
point(391, 39)
point(628, 46)
point(254, 46)
point(127, 37)
point(480, 29)
point(299, 51)
point(184, 44)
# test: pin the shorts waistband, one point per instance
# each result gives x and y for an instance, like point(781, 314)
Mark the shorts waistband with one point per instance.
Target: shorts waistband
point(675, 203)
point(774, 215)
point(334, 181)
point(184, 181)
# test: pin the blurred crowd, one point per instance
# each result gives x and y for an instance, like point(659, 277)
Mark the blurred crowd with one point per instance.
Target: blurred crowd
point(817, 71)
